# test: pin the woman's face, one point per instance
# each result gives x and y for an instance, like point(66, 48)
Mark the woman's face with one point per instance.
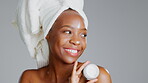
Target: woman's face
point(67, 38)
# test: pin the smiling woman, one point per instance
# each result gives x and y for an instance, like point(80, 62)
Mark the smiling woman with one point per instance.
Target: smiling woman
point(67, 38)
point(66, 41)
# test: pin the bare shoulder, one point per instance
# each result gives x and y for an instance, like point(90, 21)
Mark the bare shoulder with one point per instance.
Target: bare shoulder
point(104, 76)
point(27, 75)
point(33, 75)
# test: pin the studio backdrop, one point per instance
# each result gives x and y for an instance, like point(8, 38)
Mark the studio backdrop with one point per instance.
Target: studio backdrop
point(117, 40)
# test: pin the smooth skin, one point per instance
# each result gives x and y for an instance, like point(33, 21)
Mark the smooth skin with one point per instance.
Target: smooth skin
point(68, 32)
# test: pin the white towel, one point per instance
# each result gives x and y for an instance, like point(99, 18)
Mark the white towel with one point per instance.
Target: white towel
point(32, 14)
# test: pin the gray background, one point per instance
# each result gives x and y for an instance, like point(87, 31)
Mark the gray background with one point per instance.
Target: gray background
point(118, 40)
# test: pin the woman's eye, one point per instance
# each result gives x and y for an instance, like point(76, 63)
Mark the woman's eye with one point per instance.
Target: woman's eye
point(84, 35)
point(68, 32)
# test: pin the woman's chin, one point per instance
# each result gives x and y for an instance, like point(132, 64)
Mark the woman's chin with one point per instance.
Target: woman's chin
point(70, 61)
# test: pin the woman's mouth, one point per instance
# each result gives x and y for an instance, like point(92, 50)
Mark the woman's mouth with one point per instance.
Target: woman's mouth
point(72, 52)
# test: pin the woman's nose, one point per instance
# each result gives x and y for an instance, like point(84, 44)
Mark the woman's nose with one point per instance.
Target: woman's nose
point(75, 41)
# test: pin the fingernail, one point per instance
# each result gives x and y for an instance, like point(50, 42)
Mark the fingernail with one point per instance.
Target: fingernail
point(76, 61)
point(88, 61)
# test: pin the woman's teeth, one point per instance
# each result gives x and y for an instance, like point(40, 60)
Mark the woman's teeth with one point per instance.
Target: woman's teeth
point(72, 51)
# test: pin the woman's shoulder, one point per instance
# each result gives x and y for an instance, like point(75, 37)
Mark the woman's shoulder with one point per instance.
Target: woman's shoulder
point(31, 74)
point(104, 75)
point(27, 75)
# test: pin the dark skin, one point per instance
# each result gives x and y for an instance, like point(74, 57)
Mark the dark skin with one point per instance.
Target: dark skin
point(67, 33)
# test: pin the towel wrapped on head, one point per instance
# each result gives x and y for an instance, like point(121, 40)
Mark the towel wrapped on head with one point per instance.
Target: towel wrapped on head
point(35, 18)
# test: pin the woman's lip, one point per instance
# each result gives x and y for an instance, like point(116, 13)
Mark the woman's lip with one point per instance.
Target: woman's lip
point(72, 51)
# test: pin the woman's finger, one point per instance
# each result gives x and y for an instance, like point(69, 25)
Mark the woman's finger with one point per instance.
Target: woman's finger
point(75, 67)
point(92, 81)
point(82, 67)
point(74, 77)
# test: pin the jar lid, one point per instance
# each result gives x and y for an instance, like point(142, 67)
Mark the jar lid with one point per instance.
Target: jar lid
point(91, 71)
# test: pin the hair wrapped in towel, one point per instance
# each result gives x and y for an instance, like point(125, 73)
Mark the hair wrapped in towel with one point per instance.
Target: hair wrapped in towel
point(35, 18)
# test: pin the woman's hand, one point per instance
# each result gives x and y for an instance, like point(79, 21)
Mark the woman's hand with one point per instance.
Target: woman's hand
point(77, 73)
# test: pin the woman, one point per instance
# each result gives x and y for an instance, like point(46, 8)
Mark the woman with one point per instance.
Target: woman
point(66, 42)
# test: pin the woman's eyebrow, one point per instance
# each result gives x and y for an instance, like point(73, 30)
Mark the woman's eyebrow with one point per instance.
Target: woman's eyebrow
point(72, 27)
point(67, 26)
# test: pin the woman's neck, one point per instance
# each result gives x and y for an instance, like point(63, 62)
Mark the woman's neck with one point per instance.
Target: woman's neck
point(59, 70)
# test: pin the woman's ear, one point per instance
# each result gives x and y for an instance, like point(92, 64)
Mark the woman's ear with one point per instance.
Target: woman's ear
point(49, 34)
point(47, 37)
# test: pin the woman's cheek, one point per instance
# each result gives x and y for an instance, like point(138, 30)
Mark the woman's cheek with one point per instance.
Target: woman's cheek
point(84, 43)
point(64, 39)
